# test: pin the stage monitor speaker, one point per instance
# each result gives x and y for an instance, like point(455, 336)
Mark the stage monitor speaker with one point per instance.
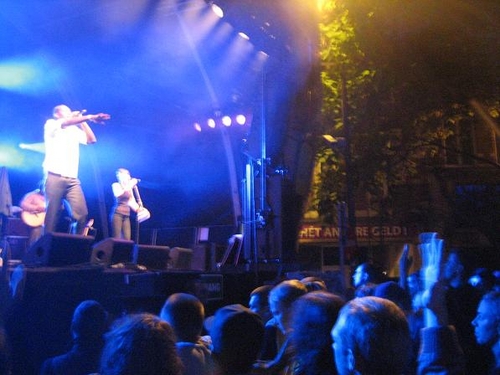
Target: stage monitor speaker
point(204, 256)
point(18, 246)
point(180, 258)
point(153, 257)
point(112, 251)
point(59, 249)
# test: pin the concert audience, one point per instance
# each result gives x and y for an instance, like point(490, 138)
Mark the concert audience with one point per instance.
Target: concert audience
point(237, 334)
point(462, 301)
point(371, 336)
point(140, 344)
point(364, 279)
point(487, 327)
point(88, 326)
point(440, 351)
point(259, 304)
point(314, 314)
point(281, 299)
point(313, 283)
point(185, 313)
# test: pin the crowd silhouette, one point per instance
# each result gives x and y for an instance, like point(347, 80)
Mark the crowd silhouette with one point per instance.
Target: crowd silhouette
point(442, 319)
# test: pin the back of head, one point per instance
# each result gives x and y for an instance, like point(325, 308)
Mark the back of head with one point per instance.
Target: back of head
point(140, 344)
point(313, 317)
point(185, 313)
point(281, 299)
point(314, 283)
point(286, 292)
point(90, 321)
point(237, 334)
point(376, 332)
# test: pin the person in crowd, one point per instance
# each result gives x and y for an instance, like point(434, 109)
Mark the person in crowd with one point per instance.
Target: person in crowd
point(259, 304)
point(411, 302)
point(364, 279)
point(237, 334)
point(487, 327)
point(185, 313)
point(124, 202)
point(313, 316)
point(371, 336)
point(314, 283)
point(63, 134)
point(140, 344)
point(88, 326)
point(281, 299)
point(33, 213)
point(462, 301)
point(440, 351)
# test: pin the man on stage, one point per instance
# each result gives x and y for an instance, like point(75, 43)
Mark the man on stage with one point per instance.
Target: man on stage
point(63, 135)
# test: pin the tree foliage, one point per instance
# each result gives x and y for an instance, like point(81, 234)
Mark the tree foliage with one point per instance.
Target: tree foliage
point(409, 70)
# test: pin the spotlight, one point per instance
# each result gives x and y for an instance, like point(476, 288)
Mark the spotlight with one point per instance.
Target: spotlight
point(226, 121)
point(197, 127)
point(241, 119)
point(243, 35)
point(211, 123)
point(217, 10)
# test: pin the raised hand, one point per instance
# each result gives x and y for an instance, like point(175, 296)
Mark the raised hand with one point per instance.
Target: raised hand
point(434, 290)
point(432, 253)
point(99, 118)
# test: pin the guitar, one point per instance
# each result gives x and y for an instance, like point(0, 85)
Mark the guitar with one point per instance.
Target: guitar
point(33, 219)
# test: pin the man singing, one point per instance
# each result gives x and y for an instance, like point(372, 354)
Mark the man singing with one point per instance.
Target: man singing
point(63, 135)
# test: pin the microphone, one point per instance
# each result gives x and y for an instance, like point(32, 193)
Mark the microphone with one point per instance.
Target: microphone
point(78, 113)
point(138, 179)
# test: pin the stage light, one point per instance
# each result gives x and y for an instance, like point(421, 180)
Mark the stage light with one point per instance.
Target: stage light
point(217, 10)
point(29, 75)
point(37, 147)
point(211, 123)
point(243, 35)
point(241, 119)
point(226, 121)
point(197, 127)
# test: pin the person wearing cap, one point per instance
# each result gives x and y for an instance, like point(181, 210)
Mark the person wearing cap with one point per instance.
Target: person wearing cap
point(237, 334)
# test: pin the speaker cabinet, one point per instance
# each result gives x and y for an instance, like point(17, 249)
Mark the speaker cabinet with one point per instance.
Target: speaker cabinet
point(204, 257)
point(180, 258)
point(153, 257)
point(18, 246)
point(112, 251)
point(59, 249)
